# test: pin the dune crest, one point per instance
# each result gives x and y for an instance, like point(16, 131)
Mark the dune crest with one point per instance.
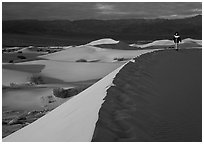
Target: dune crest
point(167, 43)
point(92, 53)
point(156, 99)
point(103, 41)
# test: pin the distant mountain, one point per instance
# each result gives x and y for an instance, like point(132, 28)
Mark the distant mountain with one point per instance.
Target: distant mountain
point(126, 30)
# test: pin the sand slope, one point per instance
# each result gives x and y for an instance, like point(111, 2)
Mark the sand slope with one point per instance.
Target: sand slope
point(120, 45)
point(12, 76)
point(91, 53)
point(72, 121)
point(157, 98)
point(190, 43)
point(71, 71)
point(28, 50)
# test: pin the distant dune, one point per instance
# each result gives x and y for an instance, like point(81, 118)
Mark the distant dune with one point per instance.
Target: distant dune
point(13, 76)
point(103, 41)
point(92, 53)
point(157, 98)
point(186, 43)
point(120, 45)
point(109, 43)
point(77, 63)
point(66, 71)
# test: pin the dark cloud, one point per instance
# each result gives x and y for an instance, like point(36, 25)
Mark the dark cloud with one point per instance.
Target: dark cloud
point(88, 10)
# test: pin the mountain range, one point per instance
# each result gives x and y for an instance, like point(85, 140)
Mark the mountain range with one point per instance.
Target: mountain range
point(66, 32)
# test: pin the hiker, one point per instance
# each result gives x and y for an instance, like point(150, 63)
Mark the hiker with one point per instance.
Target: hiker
point(176, 39)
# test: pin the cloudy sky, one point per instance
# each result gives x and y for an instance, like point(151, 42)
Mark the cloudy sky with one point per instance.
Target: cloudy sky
point(114, 10)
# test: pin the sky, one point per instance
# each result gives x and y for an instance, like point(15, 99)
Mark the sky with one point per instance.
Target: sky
point(99, 10)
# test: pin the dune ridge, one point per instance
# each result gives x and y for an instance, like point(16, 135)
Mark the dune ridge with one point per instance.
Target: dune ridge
point(103, 41)
point(91, 53)
point(169, 43)
point(157, 98)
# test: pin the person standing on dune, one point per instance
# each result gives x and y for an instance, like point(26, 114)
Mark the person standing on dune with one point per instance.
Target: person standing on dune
point(176, 39)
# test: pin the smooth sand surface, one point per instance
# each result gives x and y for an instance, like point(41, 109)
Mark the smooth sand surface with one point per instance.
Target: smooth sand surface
point(24, 68)
point(12, 76)
point(57, 71)
point(91, 53)
point(120, 45)
point(188, 42)
point(157, 98)
point(26, 99)
point(6, 57)
point(72, 121)
point(73, 71)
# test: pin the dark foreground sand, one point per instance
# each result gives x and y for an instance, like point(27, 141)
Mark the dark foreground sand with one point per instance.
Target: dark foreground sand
point(157, 98)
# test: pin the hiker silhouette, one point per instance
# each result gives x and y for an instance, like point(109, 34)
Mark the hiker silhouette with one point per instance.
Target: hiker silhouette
point(176, 39)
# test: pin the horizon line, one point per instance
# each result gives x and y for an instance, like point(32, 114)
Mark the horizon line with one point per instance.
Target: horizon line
point(163, 18)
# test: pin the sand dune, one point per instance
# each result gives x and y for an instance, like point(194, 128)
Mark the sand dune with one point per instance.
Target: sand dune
point(157, 98)
point(25, 99)
point(117, 46)
point(103, 41)
point(69, 71)
point(158, 42)
point(193, 42)
point(12, 76)
point(189, 40)
point(153, 99)
point(91, 53)
point(34, 68)
point(56, 71)
point(69, 121)
point(27, 50)
point(58, 66)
